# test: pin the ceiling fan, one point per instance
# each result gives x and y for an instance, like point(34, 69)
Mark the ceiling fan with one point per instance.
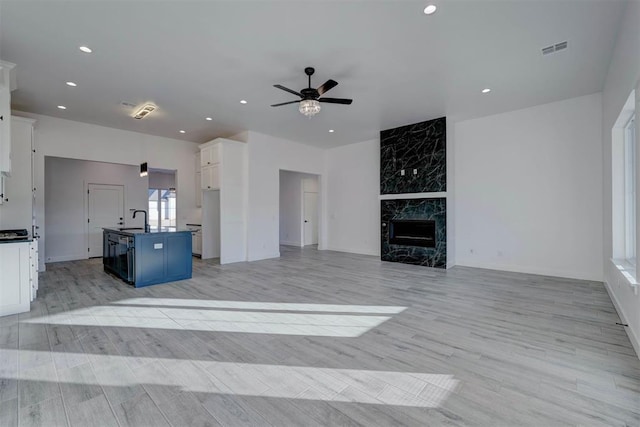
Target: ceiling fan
point(310, 98)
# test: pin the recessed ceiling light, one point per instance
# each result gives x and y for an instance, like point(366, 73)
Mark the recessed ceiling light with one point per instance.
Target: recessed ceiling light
point(430, 10)
point(72, 84)
point(208, 119)
point(331, 131)
point(486, 90)
point(182, 131)
point(62, 107)
point(85, 49)
point(243, 101)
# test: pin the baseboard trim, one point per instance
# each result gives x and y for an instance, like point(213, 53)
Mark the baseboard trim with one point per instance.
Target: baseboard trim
point(267, 256)
point(296, 244)
point(528, 270)
point(52, 259)
point(628, 329)
point(351, 250)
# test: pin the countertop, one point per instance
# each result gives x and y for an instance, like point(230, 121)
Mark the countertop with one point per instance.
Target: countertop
point(153, 231)
point(4, 242)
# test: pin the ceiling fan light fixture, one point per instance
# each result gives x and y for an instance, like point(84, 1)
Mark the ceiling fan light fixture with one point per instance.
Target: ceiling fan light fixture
point(309, 107)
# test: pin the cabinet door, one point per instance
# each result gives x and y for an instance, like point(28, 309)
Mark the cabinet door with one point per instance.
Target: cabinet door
point(5, 128)
point(215, 176)
point(211, 177)
point(15, 293)
point(33, 270)
point(198, 244)
point(209, 155)
point(178, 261)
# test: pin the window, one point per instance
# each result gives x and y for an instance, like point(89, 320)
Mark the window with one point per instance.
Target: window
point(630, 190)
point(162, 208)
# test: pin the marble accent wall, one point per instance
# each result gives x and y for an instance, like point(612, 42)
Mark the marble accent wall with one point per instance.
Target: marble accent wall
point(421, 146)
point(427, 209)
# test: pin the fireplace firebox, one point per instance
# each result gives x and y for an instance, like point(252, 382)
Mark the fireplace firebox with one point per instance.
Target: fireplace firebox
point(413, 232)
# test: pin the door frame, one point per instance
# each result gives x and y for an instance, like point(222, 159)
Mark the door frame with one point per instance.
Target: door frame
point(86, 209)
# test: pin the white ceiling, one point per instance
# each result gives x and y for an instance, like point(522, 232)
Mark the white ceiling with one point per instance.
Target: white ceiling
point(198, 59)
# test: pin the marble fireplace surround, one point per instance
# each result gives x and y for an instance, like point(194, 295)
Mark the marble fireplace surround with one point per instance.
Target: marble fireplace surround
point(413, 187)
point(425, 209)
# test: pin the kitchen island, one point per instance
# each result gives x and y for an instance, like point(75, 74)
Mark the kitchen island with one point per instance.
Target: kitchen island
point(147, 258)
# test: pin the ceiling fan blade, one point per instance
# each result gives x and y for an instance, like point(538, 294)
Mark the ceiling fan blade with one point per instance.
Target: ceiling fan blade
point(327, 86)
point(336, 100)
point(285, 103)
point(286, 89)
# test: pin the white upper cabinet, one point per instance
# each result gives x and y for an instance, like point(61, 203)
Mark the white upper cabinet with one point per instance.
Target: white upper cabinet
point(209, 155)
point(210, 178)
point(210, 161)
point(198, 182)
point(7, 84)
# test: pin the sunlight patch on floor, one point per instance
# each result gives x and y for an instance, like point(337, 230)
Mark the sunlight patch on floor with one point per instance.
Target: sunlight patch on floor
point(251, 305)
point(245, 379)
point(205, 319)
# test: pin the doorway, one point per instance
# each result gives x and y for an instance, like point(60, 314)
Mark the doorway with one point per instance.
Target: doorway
point(105, 210)
point(299, 209)
point(162, 199)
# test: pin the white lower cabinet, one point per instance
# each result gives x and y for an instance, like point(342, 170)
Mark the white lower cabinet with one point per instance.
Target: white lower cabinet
point(33, 268)
point(196, 242)
point(15, 277)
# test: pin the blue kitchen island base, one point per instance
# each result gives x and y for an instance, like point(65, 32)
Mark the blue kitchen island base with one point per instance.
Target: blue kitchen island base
point(144, 259)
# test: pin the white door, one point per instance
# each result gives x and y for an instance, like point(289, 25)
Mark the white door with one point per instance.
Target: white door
point(310, 218)
point(106, 210)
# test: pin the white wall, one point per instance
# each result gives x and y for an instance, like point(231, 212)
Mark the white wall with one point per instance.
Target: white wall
point(528, 189)
point(64, 138)
point(65, 205)
point(622, 78)
point(268, 155)
point(290, 208)
point(233, 202)
point(353, 205)
point(162, 179)
point(210, 224)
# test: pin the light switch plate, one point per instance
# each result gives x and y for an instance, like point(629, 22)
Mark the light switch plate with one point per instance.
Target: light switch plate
point(415, 171)
point(402, 172)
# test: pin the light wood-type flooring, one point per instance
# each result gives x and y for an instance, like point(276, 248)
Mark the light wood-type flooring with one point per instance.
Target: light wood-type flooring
point(317, 338)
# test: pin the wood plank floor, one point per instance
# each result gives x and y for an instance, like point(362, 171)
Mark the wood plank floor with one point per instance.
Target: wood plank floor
point(317, 338)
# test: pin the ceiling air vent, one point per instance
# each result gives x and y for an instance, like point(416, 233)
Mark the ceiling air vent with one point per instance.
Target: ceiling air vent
point(554, 48)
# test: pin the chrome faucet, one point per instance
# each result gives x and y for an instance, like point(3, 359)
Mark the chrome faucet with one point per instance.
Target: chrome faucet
point(147, 229)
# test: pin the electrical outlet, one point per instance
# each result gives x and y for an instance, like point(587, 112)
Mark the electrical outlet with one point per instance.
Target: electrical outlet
point(415, 171)
point(402, 172)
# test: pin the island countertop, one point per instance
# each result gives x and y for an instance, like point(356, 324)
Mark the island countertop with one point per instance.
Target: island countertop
point(132, 231)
